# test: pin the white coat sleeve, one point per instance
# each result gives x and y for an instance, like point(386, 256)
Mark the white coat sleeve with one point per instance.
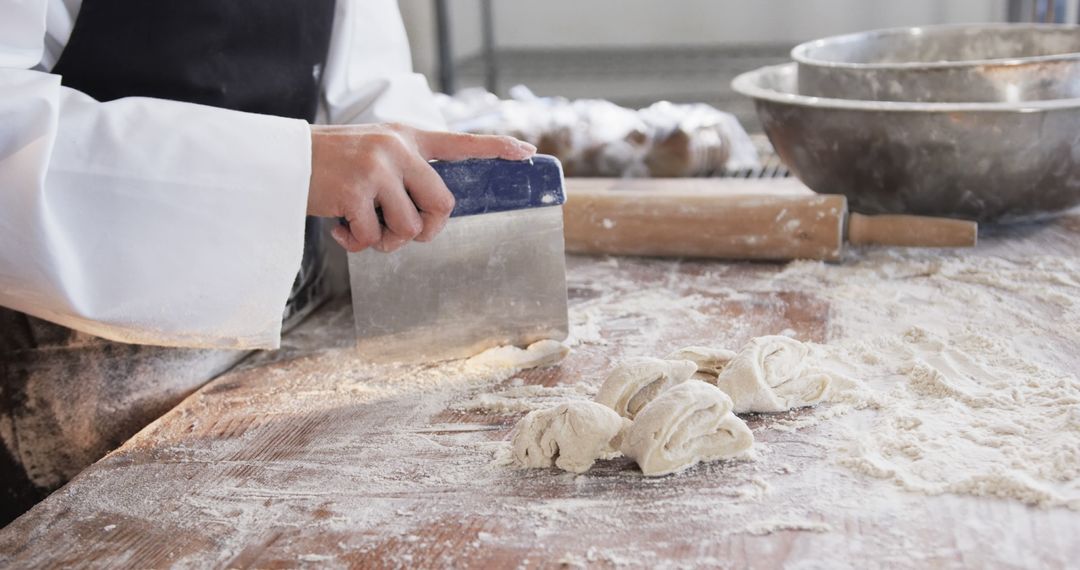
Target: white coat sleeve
point(143, 220)
point(368, 76)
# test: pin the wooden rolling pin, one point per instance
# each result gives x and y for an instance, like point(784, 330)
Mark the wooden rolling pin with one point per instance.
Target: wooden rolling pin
point(692, 222)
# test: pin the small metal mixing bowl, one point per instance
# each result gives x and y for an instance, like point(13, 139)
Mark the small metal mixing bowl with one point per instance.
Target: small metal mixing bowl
point(951, 63)
point(979, 161)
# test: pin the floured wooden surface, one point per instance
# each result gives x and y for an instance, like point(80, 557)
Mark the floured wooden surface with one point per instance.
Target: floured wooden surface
point(310, 458)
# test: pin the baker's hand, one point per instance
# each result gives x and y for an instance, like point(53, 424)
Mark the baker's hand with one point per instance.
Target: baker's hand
point(357, 168)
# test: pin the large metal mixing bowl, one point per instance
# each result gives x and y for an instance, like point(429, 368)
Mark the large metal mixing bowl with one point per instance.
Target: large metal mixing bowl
point(953, 63)
point(980, 161)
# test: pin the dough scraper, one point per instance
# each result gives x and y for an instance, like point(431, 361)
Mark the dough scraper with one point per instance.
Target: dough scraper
point(495, 275)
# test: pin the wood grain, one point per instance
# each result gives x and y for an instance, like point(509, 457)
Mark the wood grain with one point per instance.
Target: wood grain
point(294, 461)
point(714, 225)
point(735, 219)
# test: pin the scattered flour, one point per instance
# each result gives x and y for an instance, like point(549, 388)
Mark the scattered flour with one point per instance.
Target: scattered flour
point(770, 526)
point(524, 398)
point(314, 558)
point(967, 395)
point(536, 355)
point(954, 374)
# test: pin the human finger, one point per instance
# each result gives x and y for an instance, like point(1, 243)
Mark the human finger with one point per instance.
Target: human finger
point(403, 222)
point(435, 145)
point(432, 198)
point(362, 229)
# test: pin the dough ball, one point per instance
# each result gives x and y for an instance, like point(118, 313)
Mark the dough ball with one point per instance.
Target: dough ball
point(710, 361)
point(635, 382)
point(769, 375)
point(538, 354)
point(687, 424)
point(570, 436)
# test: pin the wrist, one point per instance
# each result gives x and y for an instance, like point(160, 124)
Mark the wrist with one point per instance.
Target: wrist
point(318, 142)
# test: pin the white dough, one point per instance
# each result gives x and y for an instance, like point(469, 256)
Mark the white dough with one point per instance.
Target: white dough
point(569, 436)
point(538, 354)
point(635, 382)
point(769, 375)
point(686, 424)
point(710, 361)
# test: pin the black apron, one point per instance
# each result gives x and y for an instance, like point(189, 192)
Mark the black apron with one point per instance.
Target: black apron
point(259, 56)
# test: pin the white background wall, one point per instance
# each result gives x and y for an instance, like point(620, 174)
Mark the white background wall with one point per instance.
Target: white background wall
point(618, 23)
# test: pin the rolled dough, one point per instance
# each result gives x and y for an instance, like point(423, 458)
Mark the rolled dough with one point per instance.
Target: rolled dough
point(570, 436)
point(710, 361)
point(686, 424)
point(635, 382)
point(769, 375)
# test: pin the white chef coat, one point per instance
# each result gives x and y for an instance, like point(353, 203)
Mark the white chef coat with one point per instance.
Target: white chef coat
point(158, 222)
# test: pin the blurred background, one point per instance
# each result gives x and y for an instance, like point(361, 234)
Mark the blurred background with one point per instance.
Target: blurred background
point(635, 52)
point(582, 79)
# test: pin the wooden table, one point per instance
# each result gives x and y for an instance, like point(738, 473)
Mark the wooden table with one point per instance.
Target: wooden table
point(307, 457)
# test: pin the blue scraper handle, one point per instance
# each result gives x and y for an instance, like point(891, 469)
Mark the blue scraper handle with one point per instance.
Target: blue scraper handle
point(490, 185)
point(486, 186)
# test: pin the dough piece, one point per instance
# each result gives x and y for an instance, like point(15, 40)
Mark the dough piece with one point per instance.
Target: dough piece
point(570, 436)
point(538, 354)
point(768, 375)
point(710, 361)
point(635, 382)
point(687, 424)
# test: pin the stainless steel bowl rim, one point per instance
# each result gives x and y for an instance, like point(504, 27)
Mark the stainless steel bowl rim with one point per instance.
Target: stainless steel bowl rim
point(798, 53)
point(749, 84)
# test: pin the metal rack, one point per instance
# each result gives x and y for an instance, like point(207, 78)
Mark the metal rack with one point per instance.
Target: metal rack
point(1048, 11)
point(444, 40)
point(491, 62)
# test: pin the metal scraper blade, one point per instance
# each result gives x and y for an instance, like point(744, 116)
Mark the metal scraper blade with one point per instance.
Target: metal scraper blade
point(488, 279)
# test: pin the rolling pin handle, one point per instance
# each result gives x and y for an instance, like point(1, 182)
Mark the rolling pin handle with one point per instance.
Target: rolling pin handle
point(911, 231)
